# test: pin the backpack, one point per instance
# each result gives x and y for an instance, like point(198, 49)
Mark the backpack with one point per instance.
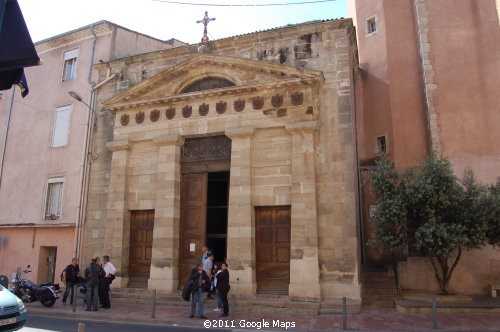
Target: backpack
point(186, 290)
point(62, 274)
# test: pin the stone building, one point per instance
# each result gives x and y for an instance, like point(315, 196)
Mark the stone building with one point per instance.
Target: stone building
point(246, 145)
point(43, 147)
point(428, 79)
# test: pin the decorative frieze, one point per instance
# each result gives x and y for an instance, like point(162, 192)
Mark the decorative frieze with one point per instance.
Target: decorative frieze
point(258, 102)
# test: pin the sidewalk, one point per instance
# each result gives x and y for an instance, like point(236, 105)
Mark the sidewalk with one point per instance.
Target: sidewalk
point(367, 320)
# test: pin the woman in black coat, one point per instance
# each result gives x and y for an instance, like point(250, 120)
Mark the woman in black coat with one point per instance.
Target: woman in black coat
point(223, 287)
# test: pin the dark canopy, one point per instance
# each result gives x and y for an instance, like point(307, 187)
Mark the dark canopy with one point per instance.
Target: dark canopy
point(16, 48)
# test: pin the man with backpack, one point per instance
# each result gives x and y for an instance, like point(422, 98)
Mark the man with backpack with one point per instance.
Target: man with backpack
point(93, 275)
point(70, 277)
point(200, 283)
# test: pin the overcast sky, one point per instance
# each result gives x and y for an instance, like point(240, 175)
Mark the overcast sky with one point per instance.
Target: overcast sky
point(47, 18)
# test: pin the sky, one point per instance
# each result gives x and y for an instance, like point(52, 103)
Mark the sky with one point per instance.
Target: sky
point(164, 20)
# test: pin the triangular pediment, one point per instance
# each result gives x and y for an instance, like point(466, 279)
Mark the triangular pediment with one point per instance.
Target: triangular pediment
point(245, 74)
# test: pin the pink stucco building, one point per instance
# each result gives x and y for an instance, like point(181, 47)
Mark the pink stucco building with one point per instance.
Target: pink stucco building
point(429, 77)
point(43, 147)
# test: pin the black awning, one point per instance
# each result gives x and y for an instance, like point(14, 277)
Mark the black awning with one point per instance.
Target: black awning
point(16, 48)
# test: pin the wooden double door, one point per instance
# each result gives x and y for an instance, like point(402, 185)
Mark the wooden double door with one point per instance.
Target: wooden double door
point(272, 246)
point(141, 247)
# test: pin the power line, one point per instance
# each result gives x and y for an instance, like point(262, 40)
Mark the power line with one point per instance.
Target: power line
point(244, 5)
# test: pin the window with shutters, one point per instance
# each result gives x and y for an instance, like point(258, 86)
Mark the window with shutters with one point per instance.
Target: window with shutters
point(69, 69)
point(62, 123)
point(53, 204)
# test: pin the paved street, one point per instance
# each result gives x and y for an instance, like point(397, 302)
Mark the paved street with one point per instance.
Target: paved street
point(53, 324)
point(367, 320)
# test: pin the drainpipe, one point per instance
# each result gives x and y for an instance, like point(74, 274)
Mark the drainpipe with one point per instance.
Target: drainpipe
point(86, 162)
point(358, 171)
point(7, 124)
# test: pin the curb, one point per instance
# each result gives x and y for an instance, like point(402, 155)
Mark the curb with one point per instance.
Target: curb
point(109, 319)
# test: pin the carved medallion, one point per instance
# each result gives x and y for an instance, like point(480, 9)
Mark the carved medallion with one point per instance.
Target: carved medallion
point(170, 113)
point(203, 109)
point(154, 115)
point(220, 107)
point(297, 98)
point(187, 111)
point(257, 103)
point(124, 119)
point(277, 100)
point(239, 105)
point(139, 117)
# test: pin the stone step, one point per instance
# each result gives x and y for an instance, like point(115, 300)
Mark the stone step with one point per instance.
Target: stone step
point(258, 304)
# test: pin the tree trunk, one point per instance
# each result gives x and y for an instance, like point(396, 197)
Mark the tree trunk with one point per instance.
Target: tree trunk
point(443, 275)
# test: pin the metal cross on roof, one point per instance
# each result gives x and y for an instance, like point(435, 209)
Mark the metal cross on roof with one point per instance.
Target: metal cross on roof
point(205, 21)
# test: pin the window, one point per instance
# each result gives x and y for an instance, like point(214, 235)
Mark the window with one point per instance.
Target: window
point(69, 70)
point(62, 123)
point(53, 203)
point(371, 25)
point(381, 145)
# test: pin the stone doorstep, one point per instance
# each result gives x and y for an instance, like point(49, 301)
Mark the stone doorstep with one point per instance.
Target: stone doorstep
point(257, 304)
point(428, 309)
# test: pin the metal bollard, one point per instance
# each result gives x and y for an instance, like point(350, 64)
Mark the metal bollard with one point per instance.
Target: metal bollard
point(434, 313)
point(81, 327)
point(154, 304)
point(344, 313)
point(73, 298)
point(233, 305)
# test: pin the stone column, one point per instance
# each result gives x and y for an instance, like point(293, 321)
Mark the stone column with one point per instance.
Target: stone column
point(304, 263)
point(165, 255)
point(240, 230)
point(117, 234)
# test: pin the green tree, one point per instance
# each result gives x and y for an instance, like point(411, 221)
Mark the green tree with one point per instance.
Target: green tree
point(428, 208)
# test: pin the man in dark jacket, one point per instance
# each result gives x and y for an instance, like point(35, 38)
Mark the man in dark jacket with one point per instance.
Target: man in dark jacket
point(223, 287)
point(70, 278)
point(201, 284)
point(93, 274)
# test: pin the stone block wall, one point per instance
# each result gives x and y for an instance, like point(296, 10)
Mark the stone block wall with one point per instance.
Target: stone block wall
point(303, 154)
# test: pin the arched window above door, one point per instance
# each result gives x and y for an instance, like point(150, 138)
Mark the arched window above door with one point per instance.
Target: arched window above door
point(208, 84)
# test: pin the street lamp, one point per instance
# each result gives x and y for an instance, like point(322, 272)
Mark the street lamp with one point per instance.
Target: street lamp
point(77, 97)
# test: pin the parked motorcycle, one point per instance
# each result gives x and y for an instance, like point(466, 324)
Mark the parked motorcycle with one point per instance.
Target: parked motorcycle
point(28, 292)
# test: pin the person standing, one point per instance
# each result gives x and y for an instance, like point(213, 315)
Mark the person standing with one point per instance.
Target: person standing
point(207, 267)
point(223, 288)
point(204, 254)
point(201, 283)
point(70, 278)
point(216, 272)
point(93, 274)
point(109, 271)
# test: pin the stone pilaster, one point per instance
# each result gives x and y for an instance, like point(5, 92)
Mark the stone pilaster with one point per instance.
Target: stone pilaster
point(240, 230)
point(117, 234)
point(165, 256)
point(430, 84)
point(304, 264)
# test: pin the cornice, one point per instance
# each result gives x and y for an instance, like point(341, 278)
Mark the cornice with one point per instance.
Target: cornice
point(230, 91)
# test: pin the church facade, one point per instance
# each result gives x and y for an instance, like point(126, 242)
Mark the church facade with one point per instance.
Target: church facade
point(245, 145)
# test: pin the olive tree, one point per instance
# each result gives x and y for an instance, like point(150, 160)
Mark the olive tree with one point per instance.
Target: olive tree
point(428, 208)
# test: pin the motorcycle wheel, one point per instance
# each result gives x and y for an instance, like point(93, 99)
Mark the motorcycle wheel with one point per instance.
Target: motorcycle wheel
point(47, 299)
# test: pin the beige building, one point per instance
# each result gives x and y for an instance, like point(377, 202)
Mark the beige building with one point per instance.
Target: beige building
point(245, 145)
point(43, 160)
